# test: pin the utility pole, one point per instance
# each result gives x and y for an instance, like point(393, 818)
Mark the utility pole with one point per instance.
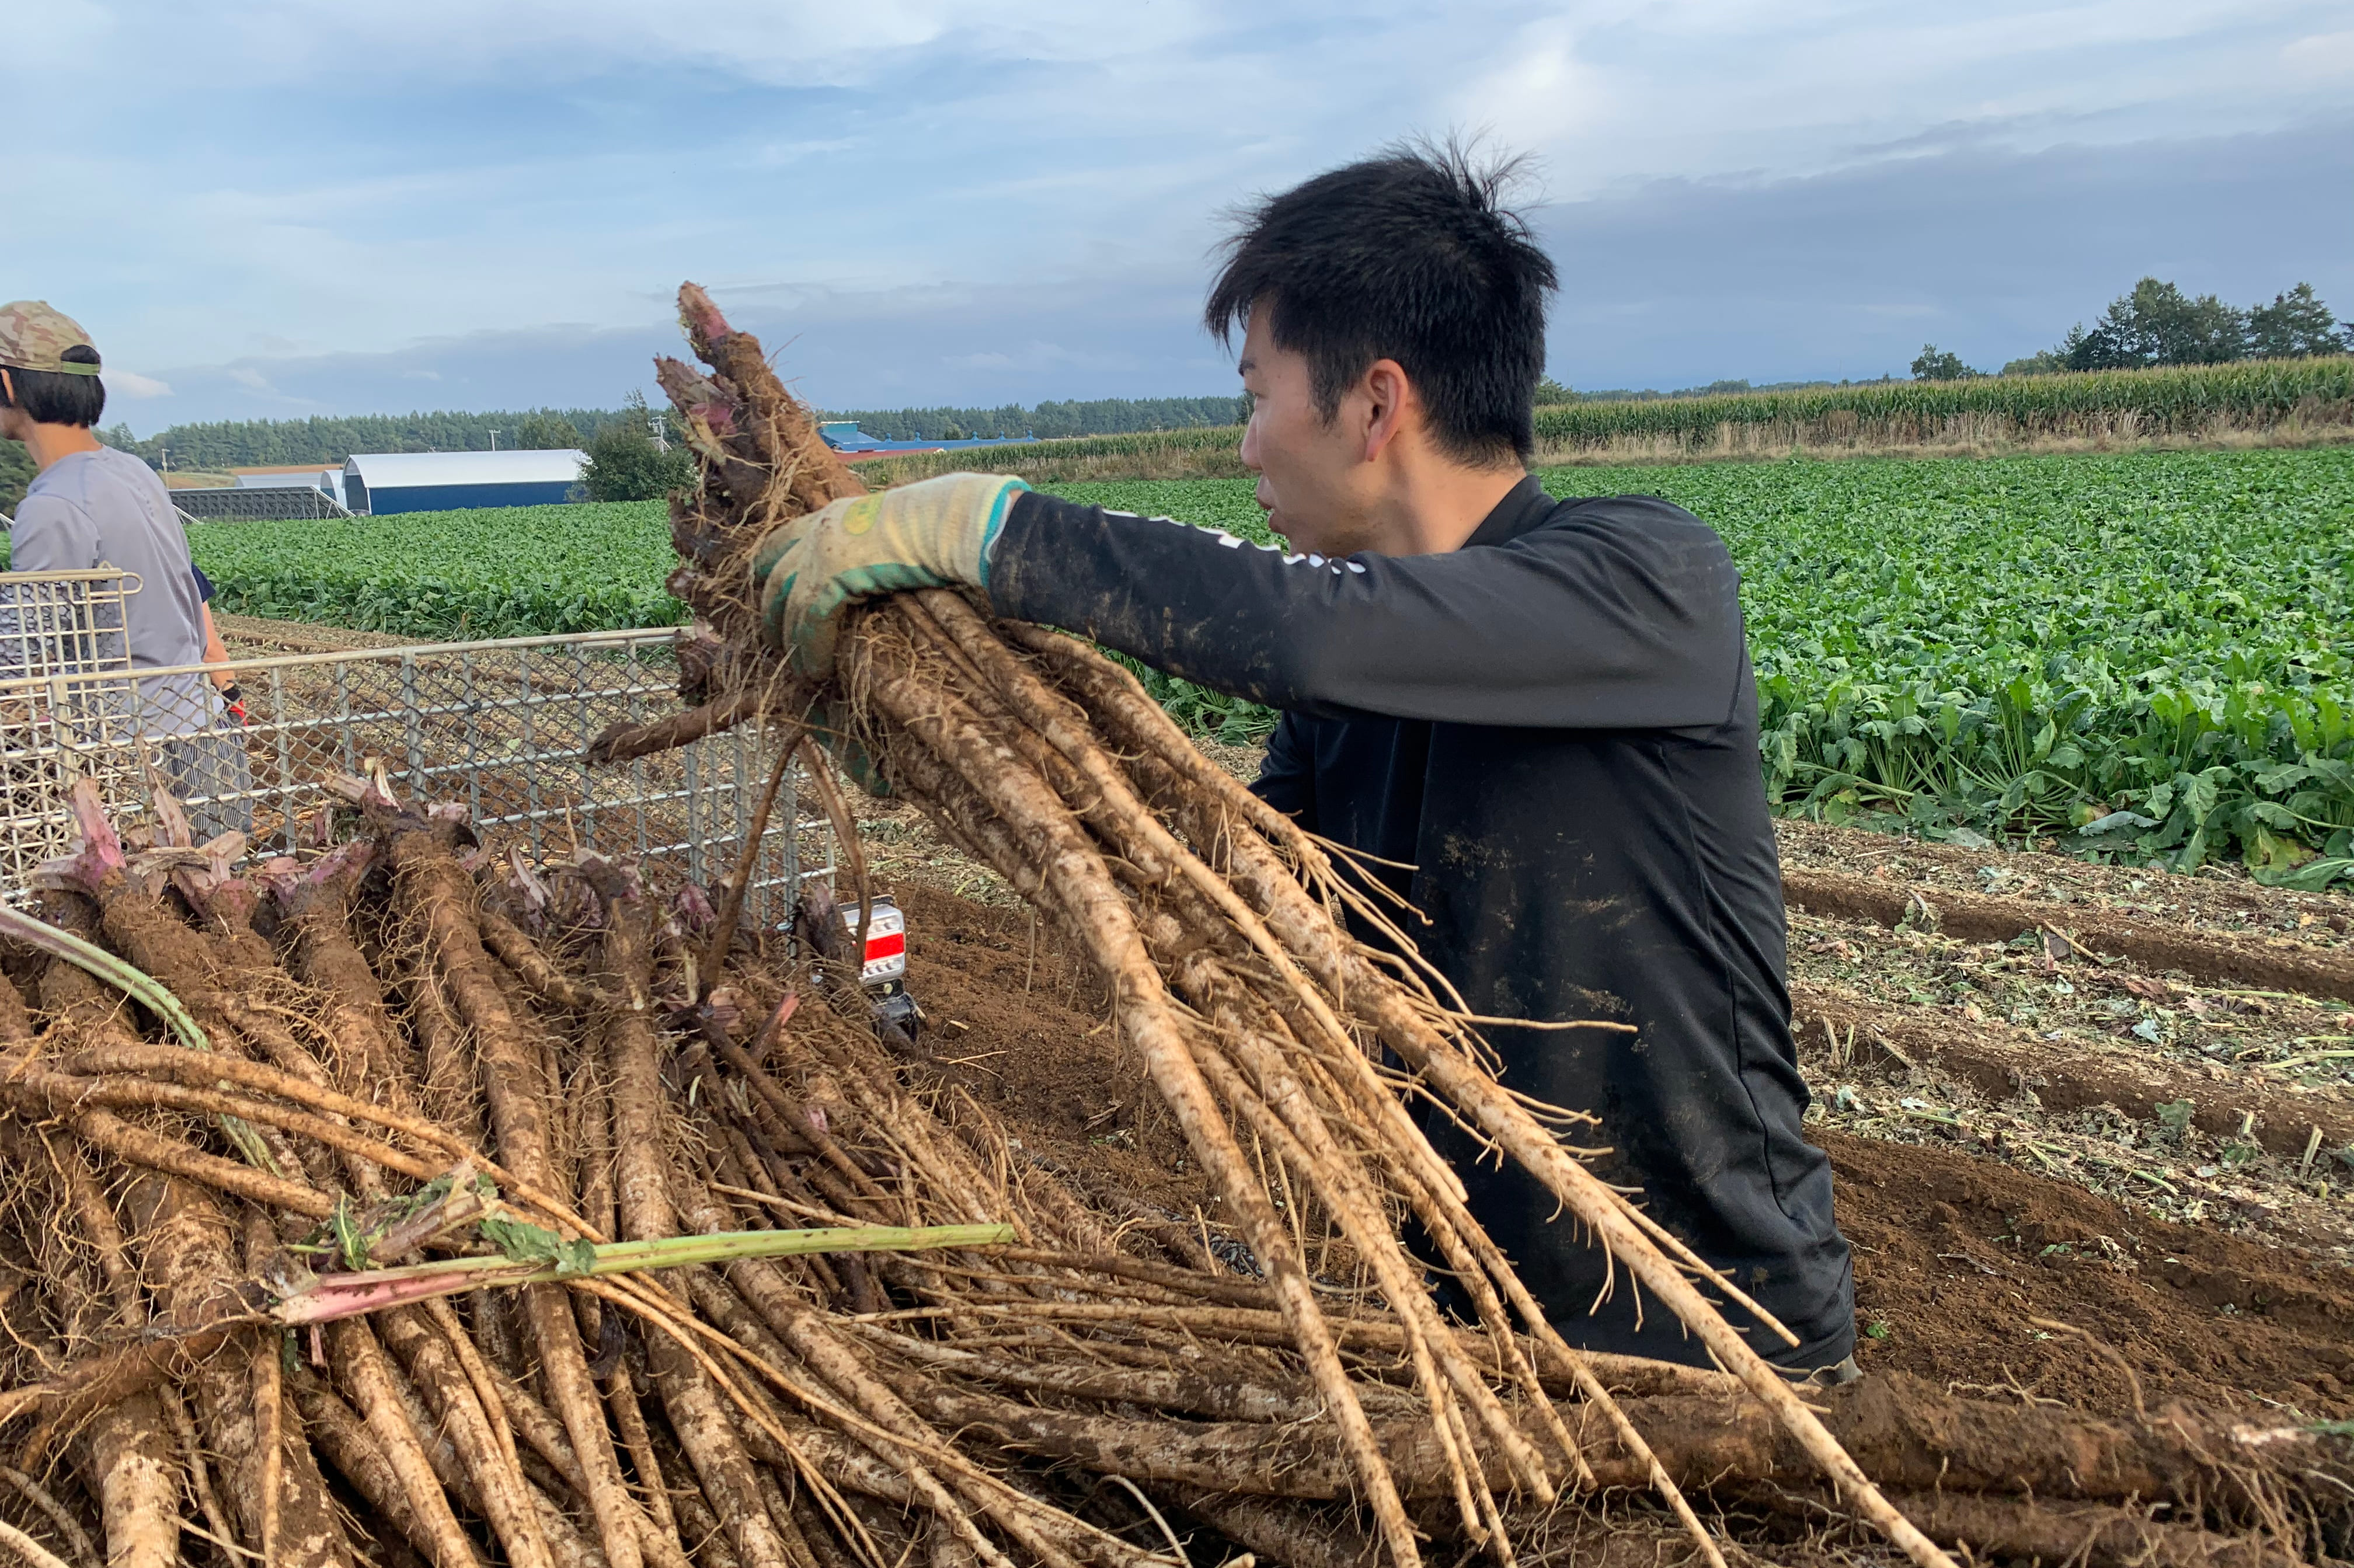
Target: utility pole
point(654, 419)
point(494, 441)
point(165, 453)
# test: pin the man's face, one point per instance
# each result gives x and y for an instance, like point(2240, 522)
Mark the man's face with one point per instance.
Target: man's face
point(1312, 473)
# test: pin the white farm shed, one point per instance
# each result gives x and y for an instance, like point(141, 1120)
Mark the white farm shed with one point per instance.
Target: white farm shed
point(385, 482)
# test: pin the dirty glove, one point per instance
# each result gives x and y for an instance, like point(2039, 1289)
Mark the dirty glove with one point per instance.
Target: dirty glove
point(836, 741)
point(937, 534)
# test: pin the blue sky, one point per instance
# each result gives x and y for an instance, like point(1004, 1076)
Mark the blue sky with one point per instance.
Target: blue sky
point(291, 207)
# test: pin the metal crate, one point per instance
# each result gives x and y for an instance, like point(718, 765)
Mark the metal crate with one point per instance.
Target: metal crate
point(500, 726)
point(55, 622)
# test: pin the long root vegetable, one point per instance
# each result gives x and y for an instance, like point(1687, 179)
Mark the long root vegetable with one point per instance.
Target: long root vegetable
point(260, 1240)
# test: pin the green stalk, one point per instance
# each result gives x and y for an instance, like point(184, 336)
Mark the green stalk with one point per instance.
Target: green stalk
point(349, 1295)
point(140, 987)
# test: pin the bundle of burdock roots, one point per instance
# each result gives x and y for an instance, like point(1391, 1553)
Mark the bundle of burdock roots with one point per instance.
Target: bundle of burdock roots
point(404, 1200)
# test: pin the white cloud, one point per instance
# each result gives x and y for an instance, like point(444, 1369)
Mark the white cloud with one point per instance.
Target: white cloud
point(2322, 54)
point(782, 43)
point(1033, 355)
point(467, 169)
point(1543, 94)
point(131, 384)
point(56, 33)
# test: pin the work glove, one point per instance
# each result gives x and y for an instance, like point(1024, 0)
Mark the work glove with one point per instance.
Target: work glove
point(937, 534)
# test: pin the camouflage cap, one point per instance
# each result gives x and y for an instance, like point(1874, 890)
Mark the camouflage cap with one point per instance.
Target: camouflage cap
point(35, 337)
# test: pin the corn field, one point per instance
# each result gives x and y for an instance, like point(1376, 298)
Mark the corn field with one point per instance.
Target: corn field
point(2169, 401)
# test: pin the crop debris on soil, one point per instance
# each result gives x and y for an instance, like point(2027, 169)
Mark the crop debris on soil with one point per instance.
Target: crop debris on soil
point(402, 1199)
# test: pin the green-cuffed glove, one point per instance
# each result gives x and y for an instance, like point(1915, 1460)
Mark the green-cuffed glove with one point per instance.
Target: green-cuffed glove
point(937, 534)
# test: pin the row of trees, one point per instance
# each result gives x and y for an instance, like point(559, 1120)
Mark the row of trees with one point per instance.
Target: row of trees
point(1093, 417)
point(1551, 392)
point(2157, 323)
point(626, 459)
point(630, 460)
point(328, 439)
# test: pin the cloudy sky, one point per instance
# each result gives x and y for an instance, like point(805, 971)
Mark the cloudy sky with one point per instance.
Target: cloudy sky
point(287, 206)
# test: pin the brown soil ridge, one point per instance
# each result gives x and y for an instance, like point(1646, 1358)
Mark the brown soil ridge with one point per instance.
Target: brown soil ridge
point(2209, 957)
point(254, 637)
point(1999, 1061)
point(1955, 1252)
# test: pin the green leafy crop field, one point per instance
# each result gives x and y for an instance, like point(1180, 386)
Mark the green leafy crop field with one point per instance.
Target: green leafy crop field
point(511, 571)
point(2150, 655)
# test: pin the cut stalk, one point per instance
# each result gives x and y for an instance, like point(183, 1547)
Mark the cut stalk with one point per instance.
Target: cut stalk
point(370, 1290)
point(140, 987)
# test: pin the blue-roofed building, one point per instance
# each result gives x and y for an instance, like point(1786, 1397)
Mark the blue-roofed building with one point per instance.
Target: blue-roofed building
point(844, 437)
point(382, 484)
point(853, 444)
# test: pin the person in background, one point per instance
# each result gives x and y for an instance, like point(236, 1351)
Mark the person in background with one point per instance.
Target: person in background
point(89, 507)
point(217, 651)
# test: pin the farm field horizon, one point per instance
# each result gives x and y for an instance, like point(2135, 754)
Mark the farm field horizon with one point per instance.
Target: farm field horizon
point(2146, 654)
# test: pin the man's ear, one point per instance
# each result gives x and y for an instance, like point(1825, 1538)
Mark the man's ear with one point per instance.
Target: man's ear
point(1389, 393)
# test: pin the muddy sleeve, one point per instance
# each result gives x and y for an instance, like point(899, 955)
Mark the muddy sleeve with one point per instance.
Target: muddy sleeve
point(1286, 778)
point(1614, 614)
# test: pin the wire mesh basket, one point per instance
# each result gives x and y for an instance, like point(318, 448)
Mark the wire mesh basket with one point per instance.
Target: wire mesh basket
point(54, 623)
point(502, 727)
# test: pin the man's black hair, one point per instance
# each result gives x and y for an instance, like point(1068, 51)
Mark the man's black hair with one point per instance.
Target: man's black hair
point(1410, 256)
point(54, 398)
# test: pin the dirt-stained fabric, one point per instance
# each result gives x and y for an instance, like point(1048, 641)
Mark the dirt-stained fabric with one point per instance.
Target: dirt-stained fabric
point(1556, 727)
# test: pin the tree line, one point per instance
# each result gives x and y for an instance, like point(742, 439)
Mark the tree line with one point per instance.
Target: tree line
point(1092, 416)
point(328, 438)
point(2156, 322)
point(1551, 393)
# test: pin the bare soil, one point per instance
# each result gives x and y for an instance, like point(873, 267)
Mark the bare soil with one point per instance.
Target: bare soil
point(251, 637)
point(2216, 1270)
point(2050, 1121)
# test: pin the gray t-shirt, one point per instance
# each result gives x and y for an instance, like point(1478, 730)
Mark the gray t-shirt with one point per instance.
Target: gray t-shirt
point(106, 508)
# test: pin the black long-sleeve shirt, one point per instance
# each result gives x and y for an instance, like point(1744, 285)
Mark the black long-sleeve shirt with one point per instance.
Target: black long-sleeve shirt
point(1555, 726)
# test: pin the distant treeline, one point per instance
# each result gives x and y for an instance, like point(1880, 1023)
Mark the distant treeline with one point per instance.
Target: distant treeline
point(329, 438)
point(2155, 324)
point(1095, 416)
point(257, 443)
point(1551, 393)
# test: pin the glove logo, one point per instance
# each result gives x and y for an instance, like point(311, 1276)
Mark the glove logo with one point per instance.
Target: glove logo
point(860, 514)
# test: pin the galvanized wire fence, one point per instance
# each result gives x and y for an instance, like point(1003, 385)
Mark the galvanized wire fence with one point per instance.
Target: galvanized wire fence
point(501, 727)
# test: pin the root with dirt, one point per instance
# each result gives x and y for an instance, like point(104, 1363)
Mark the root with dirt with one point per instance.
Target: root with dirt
point(406, 1200)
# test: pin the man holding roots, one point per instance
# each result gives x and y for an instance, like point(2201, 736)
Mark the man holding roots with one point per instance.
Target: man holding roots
point(1533, 719)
